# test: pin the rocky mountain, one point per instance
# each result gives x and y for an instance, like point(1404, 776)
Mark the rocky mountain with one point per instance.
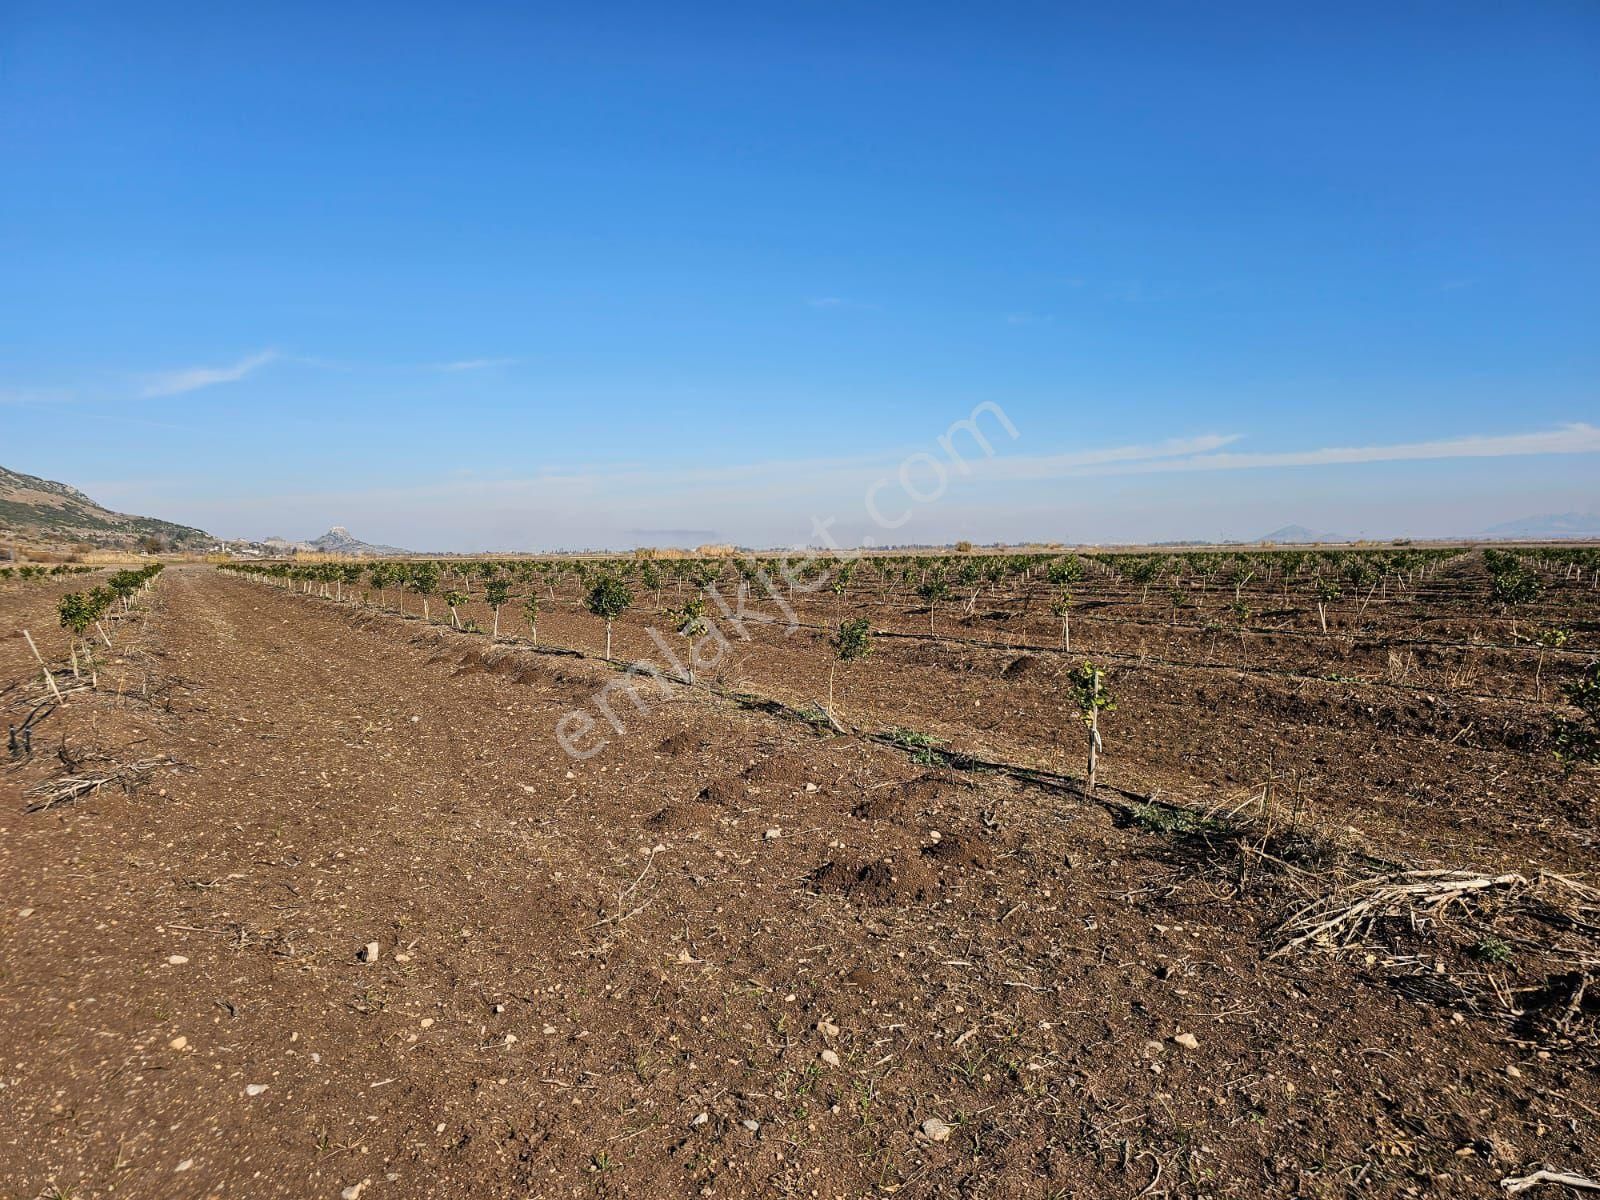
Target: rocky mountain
point(57, 514)
point(1556, 525)
point(337, 540)
point(1298, 535)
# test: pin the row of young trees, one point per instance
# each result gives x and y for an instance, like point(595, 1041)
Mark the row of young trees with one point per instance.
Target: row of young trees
point(1572, 564)
point(609, 591)
point(78, 612)
point(938, 582)
point(31, 571)
point(609, 596)
point(947, 575)
point(608, 586)
point(906, 574)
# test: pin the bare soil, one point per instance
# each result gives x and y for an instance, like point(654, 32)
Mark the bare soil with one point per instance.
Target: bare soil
point(738, 954)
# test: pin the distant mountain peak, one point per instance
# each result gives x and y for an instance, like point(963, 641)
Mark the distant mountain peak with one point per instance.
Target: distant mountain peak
point(1570, 524)
point(340, 540)
point(1299, 535)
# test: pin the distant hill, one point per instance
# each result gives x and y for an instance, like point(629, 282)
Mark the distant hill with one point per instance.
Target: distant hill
point(337, 540)
point(1570, 524)
point(42, 510)
point(1299, 535)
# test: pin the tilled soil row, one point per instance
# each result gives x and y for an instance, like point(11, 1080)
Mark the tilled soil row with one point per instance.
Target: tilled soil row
point(726, 957)
point(1442, 778)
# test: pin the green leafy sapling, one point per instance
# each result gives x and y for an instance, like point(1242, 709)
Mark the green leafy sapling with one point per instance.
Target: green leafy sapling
point(424, 582)
point(933, 589)
point(689, 622)
point(851, 643)
point(608, 599)
point(76, 617)
point(496, 591)
point(454, 600)
point(1327, 593)
point(1061, 608)
point(1092, 699)
point(1579, 741)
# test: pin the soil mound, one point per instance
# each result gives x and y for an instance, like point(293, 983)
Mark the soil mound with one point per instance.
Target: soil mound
point(875, 881)
point(684, 816)
point(961, 852)
point(905, 801)
point(780, 770)
point(728, 793)
point(680, 743)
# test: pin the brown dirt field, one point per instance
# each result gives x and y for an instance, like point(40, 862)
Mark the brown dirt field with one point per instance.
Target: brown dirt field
point(1443, 759)
point(732, 955)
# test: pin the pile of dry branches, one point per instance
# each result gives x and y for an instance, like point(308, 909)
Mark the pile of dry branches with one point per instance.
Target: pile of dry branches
point(1532, 943)
point(1345, 916)
point(69, 788)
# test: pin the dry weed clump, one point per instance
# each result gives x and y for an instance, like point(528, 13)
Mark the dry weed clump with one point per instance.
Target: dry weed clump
point(1520, 948)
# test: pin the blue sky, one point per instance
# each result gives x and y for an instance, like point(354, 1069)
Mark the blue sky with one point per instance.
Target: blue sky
point(538, 276)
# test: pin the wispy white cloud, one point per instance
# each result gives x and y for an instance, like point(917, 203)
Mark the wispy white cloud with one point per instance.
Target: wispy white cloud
point(1577, 438)
point(772, 501)
point(28, 397)
point(473, 364)
point(701, 491)
point(192, 379)
point(1105, 460)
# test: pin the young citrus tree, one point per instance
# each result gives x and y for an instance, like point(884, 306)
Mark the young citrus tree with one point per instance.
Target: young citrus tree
point(496, 591)
point(1327, 593)
point(852, 642)
point(124, 584)
point(690, 622)
point(1178, 595)
point(1510, 583)
point(349, 574)
point(455, 600)
point(1579, 741)
point(76, 615)
point(933, 589)
point(1144, 571)
point(530, 610)
point(1061, 607)
point(1065, 571)
point(384, 576)
point(650, 577)
point(424, 582)
point(100, 601)
point(1088, 691)
point(608, 599)
point(839, 585)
